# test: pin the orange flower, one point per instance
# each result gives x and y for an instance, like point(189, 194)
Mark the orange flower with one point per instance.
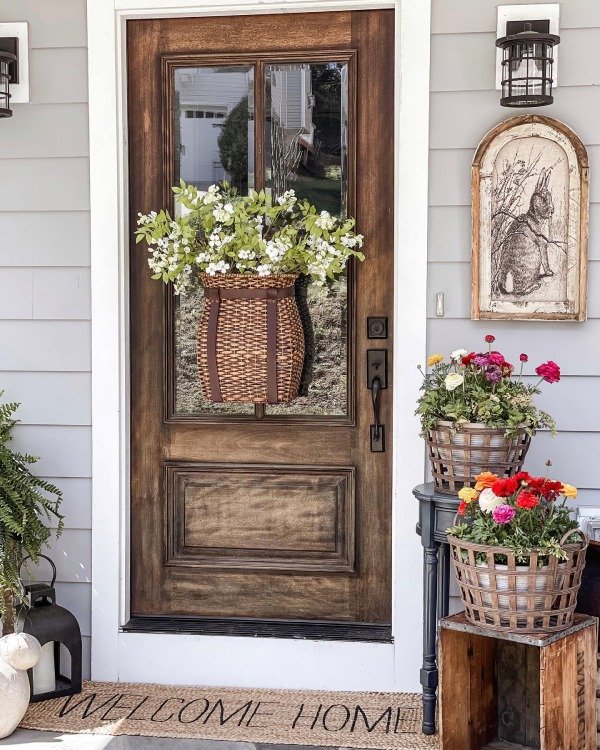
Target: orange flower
point(484, 480)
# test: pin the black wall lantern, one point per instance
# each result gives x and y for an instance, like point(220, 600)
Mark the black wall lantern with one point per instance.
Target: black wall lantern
point(51, 625)
point(9, 72)
point(527, 64)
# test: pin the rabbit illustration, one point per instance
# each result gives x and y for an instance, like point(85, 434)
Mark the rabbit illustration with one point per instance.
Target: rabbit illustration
point(524, 249)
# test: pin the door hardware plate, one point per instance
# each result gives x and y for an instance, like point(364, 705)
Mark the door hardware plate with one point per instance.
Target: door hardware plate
point(378, 446)
point(377, 367)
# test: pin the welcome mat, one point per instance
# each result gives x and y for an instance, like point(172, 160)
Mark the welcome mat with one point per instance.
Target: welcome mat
point(282, 717)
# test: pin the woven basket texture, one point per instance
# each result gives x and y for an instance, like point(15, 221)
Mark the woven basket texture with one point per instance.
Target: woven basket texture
point(458, 455)
point(537, 595)
point(241, 341)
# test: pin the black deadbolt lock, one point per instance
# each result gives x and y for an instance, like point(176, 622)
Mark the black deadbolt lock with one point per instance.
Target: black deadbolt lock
point(377, 327)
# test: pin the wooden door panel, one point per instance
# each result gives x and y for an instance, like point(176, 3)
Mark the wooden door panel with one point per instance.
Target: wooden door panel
point(278, 518)
point(268, 516)
point(314, 597)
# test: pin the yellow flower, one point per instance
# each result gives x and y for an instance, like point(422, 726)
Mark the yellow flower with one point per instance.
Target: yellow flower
point(468, 494)
point(434, 359)
point(569, 491)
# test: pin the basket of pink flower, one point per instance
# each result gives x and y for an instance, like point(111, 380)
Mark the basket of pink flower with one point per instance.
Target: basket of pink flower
point(478, 415)
point(517, 554)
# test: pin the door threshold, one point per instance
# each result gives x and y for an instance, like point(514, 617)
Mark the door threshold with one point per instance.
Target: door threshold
point(301, 629)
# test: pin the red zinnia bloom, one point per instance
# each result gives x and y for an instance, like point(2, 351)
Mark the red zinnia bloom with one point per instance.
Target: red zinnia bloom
point(505, 487)
point(522, 476)
point(547, 488)
point(523, 358)
point(507, 369)
point(527, 500)
point(462, 508)
point(468, 359)
point(490, 339)
point(549, 371)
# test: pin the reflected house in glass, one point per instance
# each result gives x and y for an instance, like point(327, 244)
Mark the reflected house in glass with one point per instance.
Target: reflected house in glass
point(214, 130)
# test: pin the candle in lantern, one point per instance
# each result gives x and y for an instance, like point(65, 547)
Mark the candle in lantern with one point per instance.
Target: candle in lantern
point(44, 678)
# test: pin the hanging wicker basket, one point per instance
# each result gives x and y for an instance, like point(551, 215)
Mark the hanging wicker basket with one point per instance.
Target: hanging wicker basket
point(250, 339)
point(500, 593)
point(457, 455)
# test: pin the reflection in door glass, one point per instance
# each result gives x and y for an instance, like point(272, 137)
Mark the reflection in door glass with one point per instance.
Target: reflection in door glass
point(306, 149)
point(213, 127)
point(213, 140)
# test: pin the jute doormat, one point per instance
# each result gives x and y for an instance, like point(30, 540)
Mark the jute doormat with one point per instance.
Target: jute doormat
point(364, 720)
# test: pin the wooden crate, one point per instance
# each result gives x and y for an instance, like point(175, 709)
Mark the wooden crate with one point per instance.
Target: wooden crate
point(509, 691)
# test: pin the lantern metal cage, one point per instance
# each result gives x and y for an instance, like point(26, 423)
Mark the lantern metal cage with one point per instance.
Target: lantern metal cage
point(527, 64)
point(51, 624)
point(7, 60)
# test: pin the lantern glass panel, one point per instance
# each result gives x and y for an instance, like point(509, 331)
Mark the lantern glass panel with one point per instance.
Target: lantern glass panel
point(4, 84)
point(526, 71)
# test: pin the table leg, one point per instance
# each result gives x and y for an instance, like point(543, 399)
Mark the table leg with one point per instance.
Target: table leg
point(429, 670)
point(444, 581)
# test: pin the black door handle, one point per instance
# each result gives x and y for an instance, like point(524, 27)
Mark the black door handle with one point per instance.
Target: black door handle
point(377, 381)
point(376, 395)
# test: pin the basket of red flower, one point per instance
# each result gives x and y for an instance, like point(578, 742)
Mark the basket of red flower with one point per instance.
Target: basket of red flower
point(517, 554)
point(478, 415)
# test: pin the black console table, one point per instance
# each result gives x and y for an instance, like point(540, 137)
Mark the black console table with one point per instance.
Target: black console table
point(436, 514)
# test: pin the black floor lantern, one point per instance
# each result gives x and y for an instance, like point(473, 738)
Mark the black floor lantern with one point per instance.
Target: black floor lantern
point(527, 64)
point(52, 626)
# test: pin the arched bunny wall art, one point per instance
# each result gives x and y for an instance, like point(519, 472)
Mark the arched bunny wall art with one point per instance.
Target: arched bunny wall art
point(530, 179)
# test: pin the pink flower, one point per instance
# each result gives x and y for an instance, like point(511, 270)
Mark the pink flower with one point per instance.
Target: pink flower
point(481, 360)
point(549, 371)
point(523, 358)
point(496, 358)
point(490, 339)
point(503, 514)
point(493, 374)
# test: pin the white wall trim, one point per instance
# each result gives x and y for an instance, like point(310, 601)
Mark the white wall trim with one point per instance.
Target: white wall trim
point(233, 660)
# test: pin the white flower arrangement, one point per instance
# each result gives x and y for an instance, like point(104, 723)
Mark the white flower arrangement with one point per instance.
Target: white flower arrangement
point(221, 233)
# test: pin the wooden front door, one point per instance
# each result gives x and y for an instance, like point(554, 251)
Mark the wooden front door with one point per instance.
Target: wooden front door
point(245, 516)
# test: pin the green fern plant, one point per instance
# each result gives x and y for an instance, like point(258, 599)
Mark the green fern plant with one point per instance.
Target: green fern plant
point(27, 503)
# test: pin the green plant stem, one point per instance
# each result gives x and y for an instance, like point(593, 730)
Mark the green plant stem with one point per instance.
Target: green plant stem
point(8, 618)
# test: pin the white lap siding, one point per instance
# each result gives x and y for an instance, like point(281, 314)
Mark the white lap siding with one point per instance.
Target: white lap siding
point(45, 278)
point(464, 106)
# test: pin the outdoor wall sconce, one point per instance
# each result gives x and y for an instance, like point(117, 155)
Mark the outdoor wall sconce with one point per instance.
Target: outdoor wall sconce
point(52, 626)
point(8, 72)
point(14, 66)
point(527, 64)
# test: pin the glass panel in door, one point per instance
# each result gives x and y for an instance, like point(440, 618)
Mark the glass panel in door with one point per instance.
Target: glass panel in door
point(306, 149)
point(213, 140)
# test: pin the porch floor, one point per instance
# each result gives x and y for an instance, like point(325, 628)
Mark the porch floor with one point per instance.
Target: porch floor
point(34, 740)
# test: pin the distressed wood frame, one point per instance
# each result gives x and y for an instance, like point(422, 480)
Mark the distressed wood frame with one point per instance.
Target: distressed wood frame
point(478, 311)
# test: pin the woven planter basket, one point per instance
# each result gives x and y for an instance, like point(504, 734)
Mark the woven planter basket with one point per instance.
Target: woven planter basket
point(250, 339)
point(516, 597)
point(458, 455)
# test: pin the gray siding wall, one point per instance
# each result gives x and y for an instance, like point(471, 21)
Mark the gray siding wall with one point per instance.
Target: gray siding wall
point(45, 277)
point(464, 106)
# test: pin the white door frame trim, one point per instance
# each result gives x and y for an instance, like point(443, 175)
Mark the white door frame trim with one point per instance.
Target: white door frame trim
point(261, 662)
